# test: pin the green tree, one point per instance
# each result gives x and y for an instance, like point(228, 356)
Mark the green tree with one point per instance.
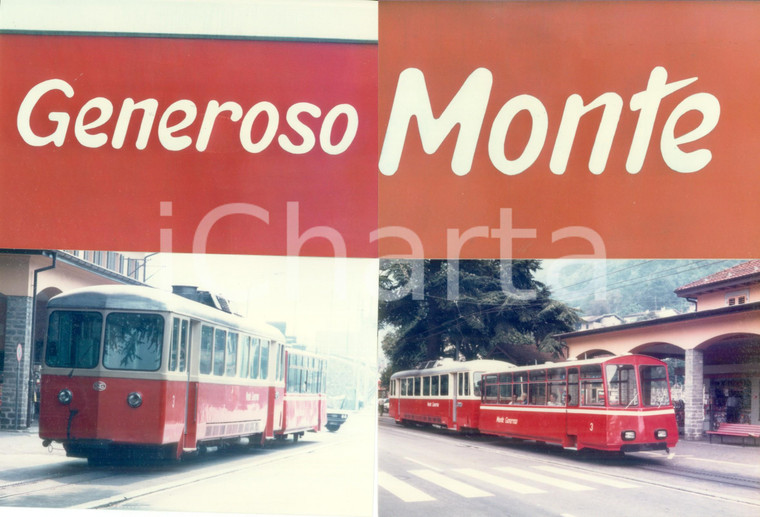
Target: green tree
point(482, 308)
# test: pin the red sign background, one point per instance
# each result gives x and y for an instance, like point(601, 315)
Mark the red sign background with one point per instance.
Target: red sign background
point(551, 50)
point(75, 197)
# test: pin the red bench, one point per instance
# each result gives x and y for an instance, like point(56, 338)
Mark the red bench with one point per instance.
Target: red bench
point(742, 430)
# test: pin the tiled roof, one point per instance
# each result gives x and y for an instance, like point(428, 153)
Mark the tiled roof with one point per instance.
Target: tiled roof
point(743, 271)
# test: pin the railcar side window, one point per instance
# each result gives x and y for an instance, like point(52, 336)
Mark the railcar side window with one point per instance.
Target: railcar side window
point(505, 393)
point(178, 351)
point(556, 386)
point(572, 387)
point(174, 352)
point(207, 349)
point(490, 389)
point(654, 385)
point(245, 351)
point(426, 386)
point(264, 369)
point(280, 374)
point(417, 384)
point(537, 395)
point(445, 385)
point(183, 347)
point(621, 385)
point(464, 384)
point(592, 389)
point(73, 339)
point(434, 385)
point(231, 362)
point(256, 357)
point(220, 341)
point(133, 341)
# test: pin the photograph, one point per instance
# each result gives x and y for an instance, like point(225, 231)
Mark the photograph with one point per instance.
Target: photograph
point(188, 383)
point(594, 382)
point(379, 258)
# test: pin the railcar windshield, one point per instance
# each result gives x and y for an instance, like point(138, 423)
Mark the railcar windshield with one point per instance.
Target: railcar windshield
point(621, 385)
point(654, 385)
point(133, 341)
point(73, 339)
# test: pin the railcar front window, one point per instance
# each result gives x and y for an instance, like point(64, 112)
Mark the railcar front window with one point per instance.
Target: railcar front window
point(73, 339)
point(133, 341)
point(621, 385)
point(654, 386)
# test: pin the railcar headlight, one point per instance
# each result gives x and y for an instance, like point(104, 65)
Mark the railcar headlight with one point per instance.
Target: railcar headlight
point(65, 396)
point(628, 435)
point(134, 399)
point(661, 434)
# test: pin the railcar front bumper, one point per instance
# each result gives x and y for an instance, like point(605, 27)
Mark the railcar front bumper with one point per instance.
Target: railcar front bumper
point(638, 447)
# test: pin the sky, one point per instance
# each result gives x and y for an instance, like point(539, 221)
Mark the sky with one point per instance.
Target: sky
point(329, 304)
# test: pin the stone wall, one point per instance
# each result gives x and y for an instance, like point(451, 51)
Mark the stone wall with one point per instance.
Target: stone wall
point(15, 392)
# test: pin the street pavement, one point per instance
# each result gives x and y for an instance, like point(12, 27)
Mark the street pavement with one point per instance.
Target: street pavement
point(23, 448)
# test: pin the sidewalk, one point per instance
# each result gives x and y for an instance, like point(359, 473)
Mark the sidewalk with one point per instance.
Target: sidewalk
point(23, 448)
point(726, 458)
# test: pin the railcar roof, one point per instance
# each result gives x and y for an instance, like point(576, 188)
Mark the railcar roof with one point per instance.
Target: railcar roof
point(138, 298)
point(502, 366)
point(484, 365)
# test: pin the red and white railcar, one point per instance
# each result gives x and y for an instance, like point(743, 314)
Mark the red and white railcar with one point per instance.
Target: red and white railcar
point(138, 370)
point(305, 401)
point(444, 393)
point(617, 403)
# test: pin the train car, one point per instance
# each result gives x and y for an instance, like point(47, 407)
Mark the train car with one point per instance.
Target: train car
point(443, 393)
point(617, 403)
point(137, 370)
point(305, 407)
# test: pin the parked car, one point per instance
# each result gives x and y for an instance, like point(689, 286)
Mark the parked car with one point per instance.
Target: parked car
point(335, 419)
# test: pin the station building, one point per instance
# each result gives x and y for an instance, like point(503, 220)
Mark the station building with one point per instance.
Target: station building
point(28, 279)
point(713, 353)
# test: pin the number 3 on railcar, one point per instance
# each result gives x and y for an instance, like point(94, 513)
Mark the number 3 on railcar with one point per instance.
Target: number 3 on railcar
point(612, 403)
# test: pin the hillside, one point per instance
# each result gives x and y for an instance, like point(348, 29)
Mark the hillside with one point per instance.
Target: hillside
point(624, 287)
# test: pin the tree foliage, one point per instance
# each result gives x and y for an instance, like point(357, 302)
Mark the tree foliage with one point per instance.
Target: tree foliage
point(480, 308)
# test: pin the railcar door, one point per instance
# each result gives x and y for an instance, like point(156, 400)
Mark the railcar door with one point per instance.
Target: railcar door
point(575, 421)
point(191, 387)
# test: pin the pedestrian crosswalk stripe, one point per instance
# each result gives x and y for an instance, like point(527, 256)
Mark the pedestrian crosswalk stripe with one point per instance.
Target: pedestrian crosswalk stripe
point(448, 483)
point(540, 478)
point(407, 458)
point(588, 477)
point(500, 481)
point(401, 489)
